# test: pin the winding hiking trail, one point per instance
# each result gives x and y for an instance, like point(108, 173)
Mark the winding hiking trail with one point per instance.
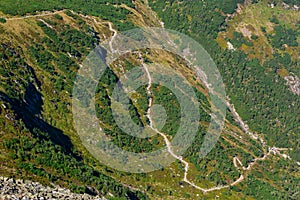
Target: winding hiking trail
point(34, 16)
point(168, 143)
point(236, 162)
point(113, 37)
point(236, 116)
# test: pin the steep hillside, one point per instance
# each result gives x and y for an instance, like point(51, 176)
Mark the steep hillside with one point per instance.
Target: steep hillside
point(42, 48)
point(255, 82)
point(39, 59)
point(272, 46)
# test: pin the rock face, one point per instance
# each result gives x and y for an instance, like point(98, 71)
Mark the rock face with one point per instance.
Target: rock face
point(25, 190)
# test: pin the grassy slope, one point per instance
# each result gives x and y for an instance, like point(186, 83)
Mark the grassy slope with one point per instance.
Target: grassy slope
point(232, 65)
point(163, 184)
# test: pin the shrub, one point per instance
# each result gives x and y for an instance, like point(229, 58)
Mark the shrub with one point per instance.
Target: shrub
point(2, 20)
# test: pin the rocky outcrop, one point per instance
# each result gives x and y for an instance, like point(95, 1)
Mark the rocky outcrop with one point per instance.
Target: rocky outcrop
point(294, 83)
point(24, 190)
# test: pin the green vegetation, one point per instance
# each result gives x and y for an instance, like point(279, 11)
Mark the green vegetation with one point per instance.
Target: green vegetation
point(39, 64)
point(284, 36)
point(261, 97)
point(42, 150)
point(268, 99)
point(271, 170)
point(57, 16)
point(228, 6)
point(104, 113)
point(291, 2)
point(106, 10)
point(165, 97)
point(40, 157)
point(238, 40)
point(2, 20)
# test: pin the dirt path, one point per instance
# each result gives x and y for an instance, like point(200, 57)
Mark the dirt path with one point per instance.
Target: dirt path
point(33, 16)
point(236, 116)
point(168, 143)
point(48, 25)
point(113, 37)
point(236, 160)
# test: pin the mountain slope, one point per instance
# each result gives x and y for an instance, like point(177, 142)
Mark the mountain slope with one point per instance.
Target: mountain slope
point(42, 52)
